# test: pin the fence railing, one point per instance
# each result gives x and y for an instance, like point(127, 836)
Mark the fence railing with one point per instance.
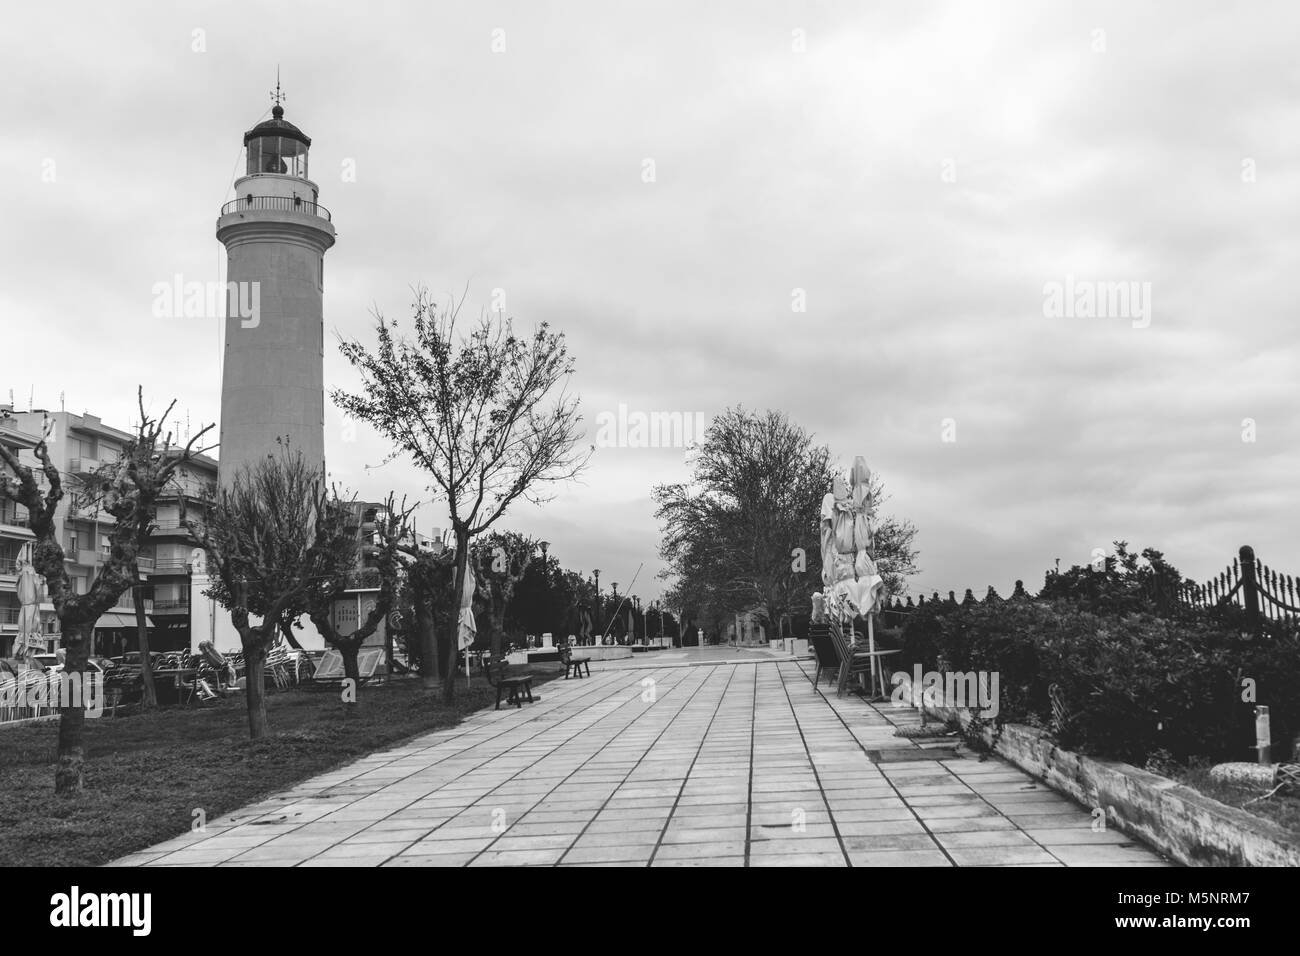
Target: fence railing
point(1249, 584)
point(1260, 593)
point(276, 204)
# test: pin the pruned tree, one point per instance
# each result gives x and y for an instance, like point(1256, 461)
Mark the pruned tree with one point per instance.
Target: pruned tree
point(485, 414)
point(500, 561)
point(127, 490)
point(339, 548)
point(427, 597)
point(261, 536)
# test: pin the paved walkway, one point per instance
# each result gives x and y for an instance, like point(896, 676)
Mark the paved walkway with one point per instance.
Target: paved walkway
point(732, 764)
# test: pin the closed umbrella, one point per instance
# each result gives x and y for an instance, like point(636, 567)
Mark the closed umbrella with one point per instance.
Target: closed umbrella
point(466, 630)
point(853, 584)
point(29, 613)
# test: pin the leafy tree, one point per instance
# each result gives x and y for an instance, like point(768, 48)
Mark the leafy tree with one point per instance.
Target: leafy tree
point(1123, 582)
point(743, 533)
point(127, 490)
point(473, 411)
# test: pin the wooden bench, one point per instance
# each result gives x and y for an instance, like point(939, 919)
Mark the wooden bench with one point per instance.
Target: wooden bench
point(574, 665)
point(514, 690)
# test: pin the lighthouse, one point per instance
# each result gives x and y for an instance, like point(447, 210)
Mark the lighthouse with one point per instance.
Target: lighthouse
point(276, 234)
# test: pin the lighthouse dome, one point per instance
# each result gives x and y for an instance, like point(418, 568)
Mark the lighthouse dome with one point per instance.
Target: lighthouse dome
point(277, 147)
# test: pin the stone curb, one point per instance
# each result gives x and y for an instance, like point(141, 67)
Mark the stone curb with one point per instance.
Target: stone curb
point(1181, 823)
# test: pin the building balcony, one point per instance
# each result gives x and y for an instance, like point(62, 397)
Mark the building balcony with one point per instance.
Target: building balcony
point(276, 204)
point(83, 466)
point(146, 565)
point(170, 606)
point(8, 617)
point(170, 528)
point(165, 566)
point(8, 566)
point(200, 493)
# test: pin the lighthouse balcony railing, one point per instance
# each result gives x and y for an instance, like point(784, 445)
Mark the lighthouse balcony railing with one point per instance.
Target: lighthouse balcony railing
point(276, 204)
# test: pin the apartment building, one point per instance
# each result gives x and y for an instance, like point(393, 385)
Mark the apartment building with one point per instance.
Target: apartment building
point(78, 446)
point(14, 532)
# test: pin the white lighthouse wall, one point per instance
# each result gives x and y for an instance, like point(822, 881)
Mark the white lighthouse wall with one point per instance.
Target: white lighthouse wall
point(273, 384)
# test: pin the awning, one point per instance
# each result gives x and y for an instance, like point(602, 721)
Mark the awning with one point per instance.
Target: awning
point(115, 620)
point(15, 531)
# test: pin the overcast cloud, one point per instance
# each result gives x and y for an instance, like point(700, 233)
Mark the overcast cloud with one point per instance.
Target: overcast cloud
point(920, 171)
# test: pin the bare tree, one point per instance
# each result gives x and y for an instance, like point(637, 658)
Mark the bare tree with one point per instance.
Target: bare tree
point(128, 491)
point(472, 411)
point(261, 539)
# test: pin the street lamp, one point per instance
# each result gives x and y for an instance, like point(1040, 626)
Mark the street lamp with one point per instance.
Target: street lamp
point(613, 599)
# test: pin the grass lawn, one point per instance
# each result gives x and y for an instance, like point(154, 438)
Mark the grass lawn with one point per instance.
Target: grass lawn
point(147, 773)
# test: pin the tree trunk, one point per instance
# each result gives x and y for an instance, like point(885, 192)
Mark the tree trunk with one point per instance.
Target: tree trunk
point(348, 650)
point(428, 644)
point(254, 680)
point(149, 698)
point(462, 559)
point(72, 720)
point(388, 650)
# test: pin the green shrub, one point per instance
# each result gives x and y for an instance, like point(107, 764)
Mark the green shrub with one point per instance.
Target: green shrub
point(1124, 686)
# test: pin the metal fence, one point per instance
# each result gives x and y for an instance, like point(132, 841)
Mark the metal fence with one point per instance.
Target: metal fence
point(1248, 586)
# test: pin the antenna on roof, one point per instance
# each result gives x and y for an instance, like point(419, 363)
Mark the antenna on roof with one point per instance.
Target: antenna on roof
point(277, 97)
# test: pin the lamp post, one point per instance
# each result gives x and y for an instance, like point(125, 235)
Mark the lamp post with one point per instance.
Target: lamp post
point(599, 614)
point(613, 599)
point(546, 581)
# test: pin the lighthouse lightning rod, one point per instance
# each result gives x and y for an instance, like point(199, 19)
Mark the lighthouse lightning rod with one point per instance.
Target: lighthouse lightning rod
point(622, 602)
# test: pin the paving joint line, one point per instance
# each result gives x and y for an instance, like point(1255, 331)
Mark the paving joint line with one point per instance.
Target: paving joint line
point(687, 778)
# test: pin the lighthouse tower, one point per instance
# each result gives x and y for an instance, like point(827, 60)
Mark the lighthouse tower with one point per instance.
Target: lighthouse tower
point(275, 234)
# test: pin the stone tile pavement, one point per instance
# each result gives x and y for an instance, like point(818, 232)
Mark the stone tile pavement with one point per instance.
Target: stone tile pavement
point(721, 764)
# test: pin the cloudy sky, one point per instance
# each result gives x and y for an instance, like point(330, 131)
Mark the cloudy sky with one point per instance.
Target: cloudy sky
point(912, 175)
